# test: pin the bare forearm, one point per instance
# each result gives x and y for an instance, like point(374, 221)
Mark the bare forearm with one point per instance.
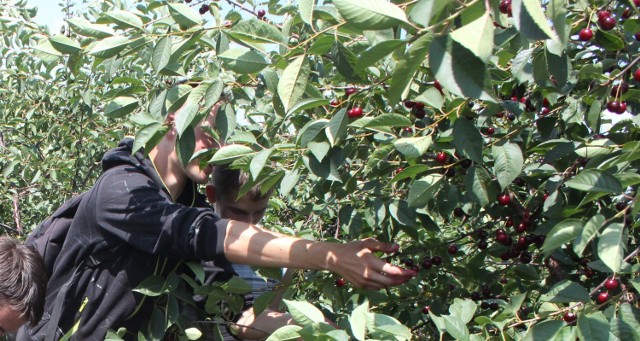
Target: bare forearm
point(355, 261)
point(249, 244)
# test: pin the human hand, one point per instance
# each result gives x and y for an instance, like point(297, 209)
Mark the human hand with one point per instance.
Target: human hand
point(356, 262)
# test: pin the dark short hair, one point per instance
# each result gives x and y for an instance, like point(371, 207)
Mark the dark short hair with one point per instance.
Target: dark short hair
point(23, 279)
point(228, 181)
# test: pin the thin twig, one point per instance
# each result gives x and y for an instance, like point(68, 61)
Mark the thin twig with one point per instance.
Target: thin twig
point(16, 212)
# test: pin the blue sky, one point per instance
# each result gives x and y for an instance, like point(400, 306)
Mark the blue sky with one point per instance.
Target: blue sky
point(49, 13)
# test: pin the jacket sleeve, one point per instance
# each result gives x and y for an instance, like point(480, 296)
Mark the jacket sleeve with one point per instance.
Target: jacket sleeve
point(130, 207)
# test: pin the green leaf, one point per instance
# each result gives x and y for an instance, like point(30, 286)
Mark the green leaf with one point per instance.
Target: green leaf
point(46, 51)
point(64, 44)
point(152, 286)
point(559, 151)
point(319, 149)
point(629, 315)
point(112, 336)
point(173, 69)
point(185, 116)
point(243, 61)
point(149, 136)
point(456, 328)
point(608, 41)
point(459, 70)
point(593, 327)
point(407, 67)
point(358, 320)
point(226, 122)
point(289, 181)
point(389, 120)
point(423, 10)
point(589, 231)
point(184, 15)
point(161, 54)
point(256, 31)
point(508, 162)
point(557, 11)
point(229, 153)
point(193, 333)
point(595, 180)
point(121, 106)
point(376, 52)
point(336, 130)
point(258, 162)
point(621, 330)
point(310, 131)
point(423, 190)
point(109, 47)
point(125, 19)
point(468, 140)
point(285, 333)
point(521, 67)
point(185, 145)
point(413, 147)
point(384, 327)
point(402, 213)
point(371, 14)
point(477, 37)
point(530, 20)
point(305, 8)
point(410, 172)
point(307, 103)
point(611, 246)
point(432, 97)
point(344, 61)
point(86, 28)
point(559, 65)
point(266, 181)
point(293, 81)
point(303, 312)
point(213, 94)
point(197, 269)
point(463, 309)
point(237, 285)
point(565, 292)
point(561, 234)
point(479, 186)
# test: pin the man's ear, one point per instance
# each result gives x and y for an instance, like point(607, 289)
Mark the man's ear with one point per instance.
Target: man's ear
point(211, 193)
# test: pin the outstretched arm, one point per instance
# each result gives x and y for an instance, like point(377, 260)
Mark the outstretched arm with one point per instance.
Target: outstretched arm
point(354, 261)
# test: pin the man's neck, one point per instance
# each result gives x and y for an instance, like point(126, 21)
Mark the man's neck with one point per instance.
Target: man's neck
point(168, 171)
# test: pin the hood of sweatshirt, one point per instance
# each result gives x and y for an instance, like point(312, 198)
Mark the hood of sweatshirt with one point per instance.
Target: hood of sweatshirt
point(121, 155)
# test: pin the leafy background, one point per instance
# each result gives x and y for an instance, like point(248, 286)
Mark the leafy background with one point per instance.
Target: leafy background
point(511, 105)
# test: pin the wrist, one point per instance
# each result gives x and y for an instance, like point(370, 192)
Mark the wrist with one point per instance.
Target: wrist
point(321, 255)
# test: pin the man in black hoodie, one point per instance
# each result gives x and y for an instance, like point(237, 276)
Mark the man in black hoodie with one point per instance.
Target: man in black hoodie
point(144, 213)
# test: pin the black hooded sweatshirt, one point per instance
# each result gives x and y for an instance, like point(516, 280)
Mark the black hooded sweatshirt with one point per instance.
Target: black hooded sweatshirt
point(129, 219)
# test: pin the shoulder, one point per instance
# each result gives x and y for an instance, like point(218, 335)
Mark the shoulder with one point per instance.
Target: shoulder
point(128, 183)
